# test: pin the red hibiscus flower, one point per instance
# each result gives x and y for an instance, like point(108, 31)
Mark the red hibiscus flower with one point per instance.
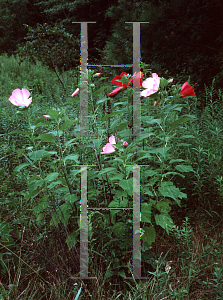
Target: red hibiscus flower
point(122, 85)
point(117, 77)
point(187, 90)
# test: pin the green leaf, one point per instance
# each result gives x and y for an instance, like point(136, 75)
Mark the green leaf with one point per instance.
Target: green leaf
point(165, 221)
point(167, 189)
point(20, 151)
point(119, 229)
point(122, 273)
point(100, 90)
point(164, 206)
point(69, 142)
point(111, 115)
point(20, 167)
point(33, 185)
point(70, 199)
point(173, 173)
point(51, 177)
point(53, 184)
point(127, 185)
point(3, 188)
point(151, 120)
point(146, 212)
point(180, 121)
point(42, 124)
point(67, 124)
point(106, 170)
point(53, 114)
point(149, 235)
point(36, 155)
point(72, 239)
point(163, 151)
point(163, 82)
point(72, 157)
point(21, 132)
point(183, 168)
point(147, 191)
point(40, 207)
point(121, 126)
point(101, 101)
point(187, 137)
point(63, 214)
point(175, 160)
point(116, 176)
point(108, 274)
point(46, 137)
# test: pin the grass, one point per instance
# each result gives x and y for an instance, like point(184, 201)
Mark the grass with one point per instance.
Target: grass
point(35, 259)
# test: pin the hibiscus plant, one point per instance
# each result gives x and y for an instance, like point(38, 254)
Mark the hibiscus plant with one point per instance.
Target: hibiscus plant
point(110, 151)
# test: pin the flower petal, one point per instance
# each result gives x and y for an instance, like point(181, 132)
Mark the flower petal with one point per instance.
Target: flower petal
point(76, 92)
point(20, 97)
point(114, 92)
point(112, 139)
point(109, 148)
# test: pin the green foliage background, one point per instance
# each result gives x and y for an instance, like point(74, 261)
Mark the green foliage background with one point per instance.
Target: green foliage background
point(182, 37)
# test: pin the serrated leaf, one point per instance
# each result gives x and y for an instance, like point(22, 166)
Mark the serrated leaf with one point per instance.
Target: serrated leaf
point(106, 170)
point(33, 185)
point(149, 235)
point(147, 191)
point(164, 220)
point(162, 150)
point(146, 212)
point(40, 207)
point(167, 189)
point(71, 157)
point(67, 124)
point(53, 184)
point(51, 177)
point(36, 155)
point(164, 206)
point(127, 185)
point(53, 114)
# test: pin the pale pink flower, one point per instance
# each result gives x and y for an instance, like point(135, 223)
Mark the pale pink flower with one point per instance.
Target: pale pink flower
point(46, 116)
point(109, 148)
point(98, 74)
point(20, 97)
point(125, 143)
point(76, 92)
point(151, 85)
